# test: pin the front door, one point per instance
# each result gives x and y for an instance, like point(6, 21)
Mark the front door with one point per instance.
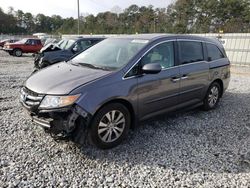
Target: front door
point(159, 91)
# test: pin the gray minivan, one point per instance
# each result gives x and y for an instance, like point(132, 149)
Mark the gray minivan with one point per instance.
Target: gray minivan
point(104, 91)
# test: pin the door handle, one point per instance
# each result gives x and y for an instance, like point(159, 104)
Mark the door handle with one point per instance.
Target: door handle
point(184, 77)
point(175, 79)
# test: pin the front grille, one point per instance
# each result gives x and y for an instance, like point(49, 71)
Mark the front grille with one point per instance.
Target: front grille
point(30, 99)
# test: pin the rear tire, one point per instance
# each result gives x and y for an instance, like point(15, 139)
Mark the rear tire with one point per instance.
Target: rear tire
point(212, 97)
point(109, 126)
point(18, 52)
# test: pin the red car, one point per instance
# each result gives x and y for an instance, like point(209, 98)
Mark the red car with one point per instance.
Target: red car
point(2, 42)
point(27, 45)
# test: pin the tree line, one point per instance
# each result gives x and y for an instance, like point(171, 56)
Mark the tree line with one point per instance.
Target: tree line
point(182, 16)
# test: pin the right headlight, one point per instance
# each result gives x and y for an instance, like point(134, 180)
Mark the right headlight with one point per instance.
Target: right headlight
point(50, 101)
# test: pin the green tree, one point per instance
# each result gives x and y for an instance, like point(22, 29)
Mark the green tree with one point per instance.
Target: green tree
point(182, 16)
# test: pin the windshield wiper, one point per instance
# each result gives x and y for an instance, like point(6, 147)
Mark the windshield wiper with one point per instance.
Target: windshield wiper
point(90, 66)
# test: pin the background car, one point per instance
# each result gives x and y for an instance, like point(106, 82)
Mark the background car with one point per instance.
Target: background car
point(2, 42)
point(26, 45)
point(63, 50)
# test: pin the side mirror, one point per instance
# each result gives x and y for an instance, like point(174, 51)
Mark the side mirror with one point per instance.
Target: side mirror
point(151, 68)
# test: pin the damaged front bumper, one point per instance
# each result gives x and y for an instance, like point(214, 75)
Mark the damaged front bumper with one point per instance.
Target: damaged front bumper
point(62, 122)
point(59, 122)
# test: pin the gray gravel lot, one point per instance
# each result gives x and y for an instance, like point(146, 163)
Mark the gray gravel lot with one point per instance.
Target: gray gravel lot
point(188, 149)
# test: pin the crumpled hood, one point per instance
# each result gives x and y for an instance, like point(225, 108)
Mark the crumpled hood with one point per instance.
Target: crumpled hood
point(62, 78)
point(50, 47)
point(58, 55)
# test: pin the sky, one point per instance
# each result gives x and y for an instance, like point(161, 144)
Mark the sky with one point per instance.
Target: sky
point(68, 8)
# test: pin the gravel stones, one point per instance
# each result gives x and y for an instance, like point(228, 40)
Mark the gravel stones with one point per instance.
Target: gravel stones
point(187, 149)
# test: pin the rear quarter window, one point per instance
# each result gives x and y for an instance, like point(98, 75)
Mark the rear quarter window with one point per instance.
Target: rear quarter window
point(190, 51)
point(213, 52)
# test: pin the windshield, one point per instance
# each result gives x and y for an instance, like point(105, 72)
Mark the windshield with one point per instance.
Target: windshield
point(110, 54)
point(65, 44)
point(23, 41)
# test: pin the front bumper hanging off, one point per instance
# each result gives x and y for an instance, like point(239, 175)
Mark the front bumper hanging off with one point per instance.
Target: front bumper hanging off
point(61, 123)
point(64, 121)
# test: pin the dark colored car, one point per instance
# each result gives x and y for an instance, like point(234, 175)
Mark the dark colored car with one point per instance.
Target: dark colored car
point(27, 45)
point(63, 51)
point(2, 42)
point(105, 90)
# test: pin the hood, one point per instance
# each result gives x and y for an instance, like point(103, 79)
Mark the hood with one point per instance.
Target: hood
point(62, 78)
point(54, 53)
point(18, 42)
point(50, 47)
point(15, 44)
point(55, 56)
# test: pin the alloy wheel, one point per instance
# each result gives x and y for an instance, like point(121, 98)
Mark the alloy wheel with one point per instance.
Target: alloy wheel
point(111, 126)
point(18, 53)
point(213, 96)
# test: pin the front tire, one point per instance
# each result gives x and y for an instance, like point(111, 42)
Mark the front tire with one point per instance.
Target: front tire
point(109, 126)
point(18, 52)
point(212, 97)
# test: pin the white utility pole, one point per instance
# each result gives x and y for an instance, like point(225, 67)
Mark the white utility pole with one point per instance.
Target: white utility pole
point(78, 8)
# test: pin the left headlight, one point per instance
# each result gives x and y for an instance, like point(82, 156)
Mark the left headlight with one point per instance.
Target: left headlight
point(50, 101)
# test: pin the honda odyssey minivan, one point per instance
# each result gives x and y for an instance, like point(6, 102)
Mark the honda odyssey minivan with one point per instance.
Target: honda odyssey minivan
point(106, 90)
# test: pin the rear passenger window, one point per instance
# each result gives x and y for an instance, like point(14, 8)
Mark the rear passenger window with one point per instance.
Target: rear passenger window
point(213, 52)
point(190, 52)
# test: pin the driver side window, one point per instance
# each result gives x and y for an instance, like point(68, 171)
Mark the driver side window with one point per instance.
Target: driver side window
point(28, 42)
point(82, 45)
point(162, 53)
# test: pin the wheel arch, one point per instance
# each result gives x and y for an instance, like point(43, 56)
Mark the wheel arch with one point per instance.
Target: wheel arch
point(220, 82)
point(18, 49)
point(127, 104)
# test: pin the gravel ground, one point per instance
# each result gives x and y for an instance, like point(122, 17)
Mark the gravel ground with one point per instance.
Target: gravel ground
point(188, 149)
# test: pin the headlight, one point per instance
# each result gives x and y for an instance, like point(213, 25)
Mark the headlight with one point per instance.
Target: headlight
point(58, 101)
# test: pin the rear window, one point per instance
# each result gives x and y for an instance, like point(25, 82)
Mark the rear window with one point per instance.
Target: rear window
point(213, 52)
point(190, 51)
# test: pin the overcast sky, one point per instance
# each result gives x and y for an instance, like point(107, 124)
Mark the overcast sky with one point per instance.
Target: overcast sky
point(67, 8)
